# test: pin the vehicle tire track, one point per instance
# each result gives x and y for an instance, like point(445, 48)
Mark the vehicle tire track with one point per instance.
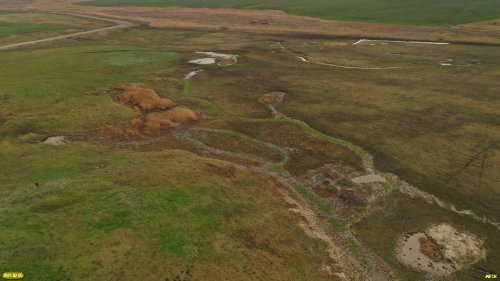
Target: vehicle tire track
point(119, 24)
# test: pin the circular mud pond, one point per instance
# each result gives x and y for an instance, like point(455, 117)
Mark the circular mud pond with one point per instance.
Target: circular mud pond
point(203, 61)
point(439, 250)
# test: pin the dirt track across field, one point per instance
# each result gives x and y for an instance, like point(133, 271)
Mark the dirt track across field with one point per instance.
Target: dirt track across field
point(273, 21)
point(118, 24)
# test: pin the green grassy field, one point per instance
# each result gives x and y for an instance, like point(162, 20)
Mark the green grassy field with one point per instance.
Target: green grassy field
point(104, 213)
point(158, 210)
point(9, 29)
point(16, 27)
point(128, 217)
point(422, 12)
point(74, 72)
point(2, 12)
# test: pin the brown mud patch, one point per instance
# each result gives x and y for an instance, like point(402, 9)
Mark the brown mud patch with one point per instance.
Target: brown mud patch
point(225, 61)
point(225, 141)
point(440, 250)
point(306, 152)
point(351, 199)
point(322, 191)
point(431, 249)
point(144, 98)
point(333, 175)
point(273, 97)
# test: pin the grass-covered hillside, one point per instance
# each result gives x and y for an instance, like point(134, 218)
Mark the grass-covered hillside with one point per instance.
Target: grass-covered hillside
point(258, 181)
point(420, 12)
point(92, 212)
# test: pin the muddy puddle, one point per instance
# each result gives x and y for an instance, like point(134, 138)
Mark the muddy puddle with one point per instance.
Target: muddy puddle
point(203, 61)
point(411, 255)
point(219, 58)
point(439, 250)
point(56, 140)
point(63, 139)
point(192, 74)
point(370, 178)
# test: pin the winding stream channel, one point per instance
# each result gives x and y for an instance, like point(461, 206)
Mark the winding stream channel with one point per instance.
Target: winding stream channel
point(347, 267)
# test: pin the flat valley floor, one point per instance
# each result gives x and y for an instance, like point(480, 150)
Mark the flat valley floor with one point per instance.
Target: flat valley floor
point(172, 147)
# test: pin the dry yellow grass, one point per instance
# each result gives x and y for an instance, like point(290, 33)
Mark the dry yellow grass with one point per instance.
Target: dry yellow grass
point(144, 98)
point(169, 119)
point(280, 22)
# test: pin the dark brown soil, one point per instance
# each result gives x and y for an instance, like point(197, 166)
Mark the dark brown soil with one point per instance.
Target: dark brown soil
point(333, 175)
point(272, 97)
point(225, 61)
point(350, 198)
point(431, 249)
point(322, 191)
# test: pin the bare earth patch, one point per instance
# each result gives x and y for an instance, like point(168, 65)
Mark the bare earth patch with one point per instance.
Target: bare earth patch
point(462, 248)
point(220, 59)
point(440, 250)
point(274, 97)
point(56, 140)
point(431, 249)
point(368, 179)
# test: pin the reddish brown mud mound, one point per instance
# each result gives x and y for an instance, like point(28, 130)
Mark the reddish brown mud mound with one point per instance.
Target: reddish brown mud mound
point(226, 61)
point(333, 175)
point(144, 98)
point(322, 191)
point(431, 249)
point(170, 119)
point(274, 97)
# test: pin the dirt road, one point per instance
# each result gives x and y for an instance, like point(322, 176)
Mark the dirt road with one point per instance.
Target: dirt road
point(275, 22)
point(118, 25)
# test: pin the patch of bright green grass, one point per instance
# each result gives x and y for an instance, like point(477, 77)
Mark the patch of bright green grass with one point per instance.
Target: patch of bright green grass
point(9, 29)
point(358, 253)
point(99, 209)
point(324, 206)
point(422, 12)
point(189, 239)
point(118, 219)
point(278, 169)
point(336, 224)
point(185, 89)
